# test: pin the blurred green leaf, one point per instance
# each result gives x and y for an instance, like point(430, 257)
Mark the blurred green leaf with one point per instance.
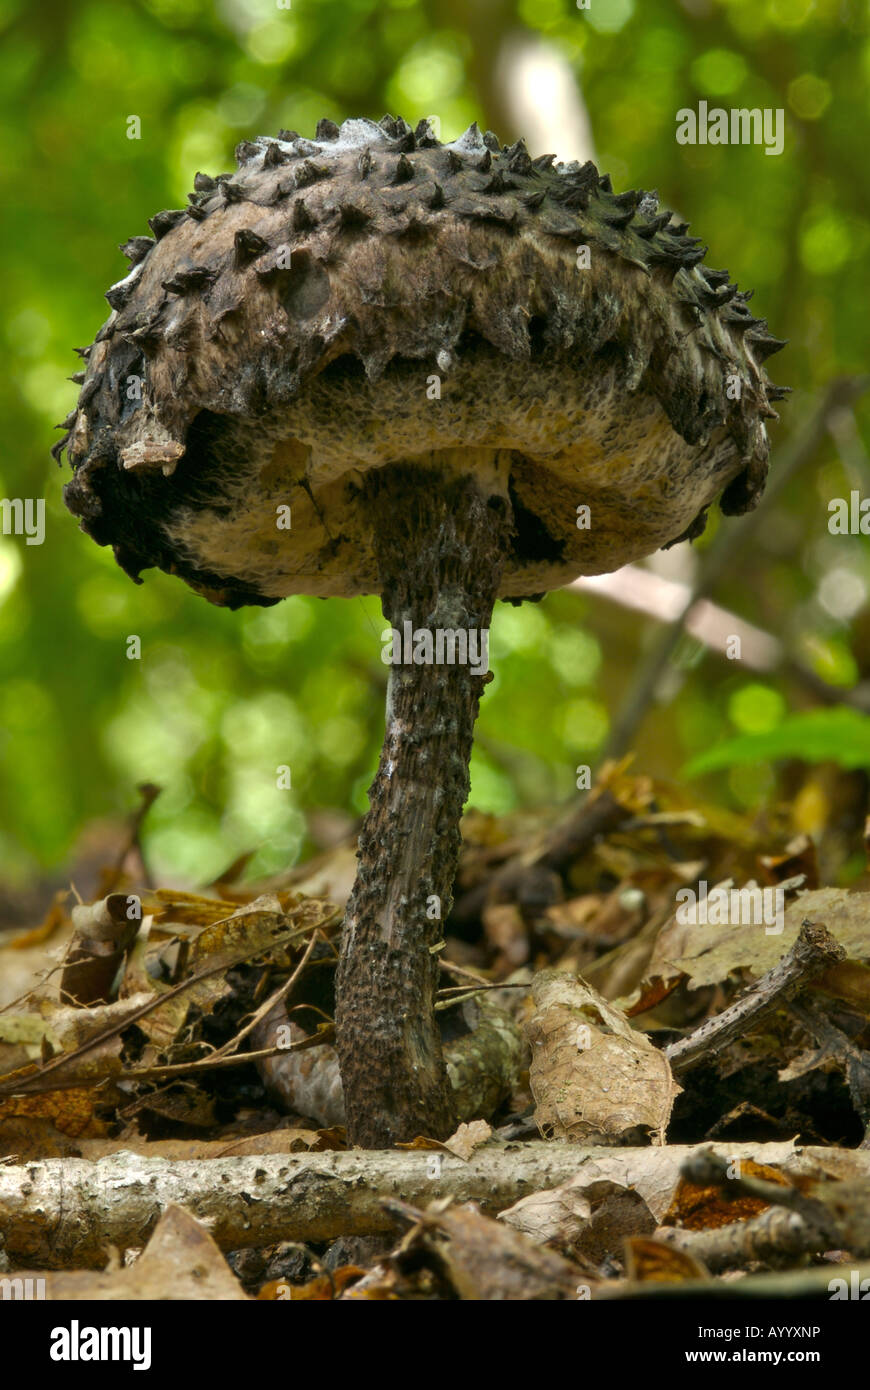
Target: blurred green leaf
point(840, 736)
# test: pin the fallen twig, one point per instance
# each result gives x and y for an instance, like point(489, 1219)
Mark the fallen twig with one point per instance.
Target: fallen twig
point(814, 950)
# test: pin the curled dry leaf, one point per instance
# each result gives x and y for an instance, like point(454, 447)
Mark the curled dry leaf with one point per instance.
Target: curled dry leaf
point(467, 1138)
point(483, 1261)
point(593, 1076)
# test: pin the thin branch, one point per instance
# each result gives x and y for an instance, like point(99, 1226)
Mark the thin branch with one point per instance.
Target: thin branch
point(813, 951)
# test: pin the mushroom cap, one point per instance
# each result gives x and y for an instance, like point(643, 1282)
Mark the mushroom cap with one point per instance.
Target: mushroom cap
point(373, 296)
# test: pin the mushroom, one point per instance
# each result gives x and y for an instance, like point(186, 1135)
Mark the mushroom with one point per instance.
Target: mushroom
point(457, 374)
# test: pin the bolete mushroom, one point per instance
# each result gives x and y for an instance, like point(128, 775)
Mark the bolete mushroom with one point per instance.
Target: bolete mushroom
point(437, 357)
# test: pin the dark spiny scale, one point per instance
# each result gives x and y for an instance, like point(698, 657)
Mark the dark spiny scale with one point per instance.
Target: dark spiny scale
point(423, 134)
point(508, 220)
point(57, 449)
point(618, 217)
point(204, 183)
point(234, 192)
point(437, 199)
point(413, 230)
point(301, 218)
point(118, 295)
point(406, 144)
point(389, 126)
point(677, 252)
point(491, 141)
point(350, 215)
point(404, 170)
point(84, 352)
point(725, 295)
point(739, 324)
point(534, 200)
point(275, 155)
point(454, 162)
point(105, 332)
point(667, 258)
point(163, 222)
point(484, 164)
point(777, 393)
point(737, 312)
point(248, 245)
point(191, 281)
point(402, 128)
point(520, 161)
point(309, 173)
point(543, 163)
point(326, 130)
point(605, 184)
point(711, 299)
point(649, 229)
point(587, 176)
point(575, 199)
point(678, 228)
point(282, 191)
point(136, 248)
point(288, 137)
point(196, 212)
point(77, 377)
point(694, 255)
point(149, 337)
point(518, 147)
point(70, 420)
point(88, 391)
point(716, 277)
point(364, 163)
point(497, 184)
point(630, 199)
point(246, 150)
point(574, 190)
point(764, 345)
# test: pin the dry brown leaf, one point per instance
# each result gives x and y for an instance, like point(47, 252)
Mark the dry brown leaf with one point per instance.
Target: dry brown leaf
point(653, 1261)
point(593, 1076)
point(709, 954)
point(467, 1138)
point(181, 1261)
point(485, 1261)
point(70, 1111)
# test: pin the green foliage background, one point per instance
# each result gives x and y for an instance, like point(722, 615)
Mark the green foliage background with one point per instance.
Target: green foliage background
point(219, 700)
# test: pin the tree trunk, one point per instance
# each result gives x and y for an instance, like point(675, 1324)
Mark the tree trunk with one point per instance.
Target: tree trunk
point(441, 535)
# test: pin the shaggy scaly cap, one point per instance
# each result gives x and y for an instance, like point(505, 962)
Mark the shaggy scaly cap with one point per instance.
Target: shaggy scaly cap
point(287, 328)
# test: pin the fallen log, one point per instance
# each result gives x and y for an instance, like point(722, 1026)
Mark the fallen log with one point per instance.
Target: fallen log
point(66, 1213)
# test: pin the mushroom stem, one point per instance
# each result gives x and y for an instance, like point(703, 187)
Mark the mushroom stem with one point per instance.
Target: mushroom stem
point(441, 538)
